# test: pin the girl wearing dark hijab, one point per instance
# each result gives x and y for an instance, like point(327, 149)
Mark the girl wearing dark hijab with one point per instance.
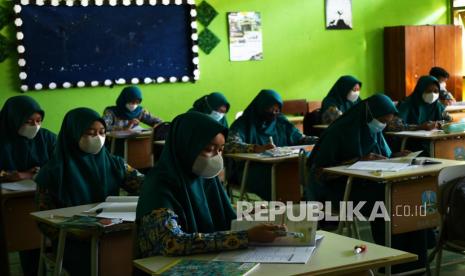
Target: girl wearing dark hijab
point(251, 132)
point(215, 105)
point(344, 94)
point(183, 208)
point(128, 113)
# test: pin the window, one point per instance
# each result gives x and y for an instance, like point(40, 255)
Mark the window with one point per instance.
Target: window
point(458, 15)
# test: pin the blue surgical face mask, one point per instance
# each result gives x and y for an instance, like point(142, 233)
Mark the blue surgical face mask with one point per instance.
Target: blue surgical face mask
point(217, 116)
point(376, 126)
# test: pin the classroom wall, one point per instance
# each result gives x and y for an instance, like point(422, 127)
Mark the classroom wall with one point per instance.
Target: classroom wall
point(301, 58)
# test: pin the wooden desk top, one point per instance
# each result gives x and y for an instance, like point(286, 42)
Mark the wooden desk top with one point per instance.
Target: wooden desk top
point(389, 176)
point(321, 126)
point(426, 135)
point(258, 157)
point(295, 119)
point(122, 134)
point(159, 143)
point(55, 216)
point(334, 255)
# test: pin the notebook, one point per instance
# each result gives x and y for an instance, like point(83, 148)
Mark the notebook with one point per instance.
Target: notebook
point(119, 207)
point(190, 267)
point(86, 222)
point(23, 185)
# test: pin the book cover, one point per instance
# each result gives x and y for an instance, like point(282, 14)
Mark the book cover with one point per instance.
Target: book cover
point(189, 267)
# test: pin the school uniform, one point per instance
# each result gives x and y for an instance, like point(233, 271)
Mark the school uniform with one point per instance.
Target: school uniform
point(209, 105)
point(255, 128)
point(336, 102)
point(180, 212)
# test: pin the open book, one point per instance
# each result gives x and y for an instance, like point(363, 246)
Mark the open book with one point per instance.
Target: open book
point(121, 207)
point(203, 267)
point(301, 231)
point(23, 185)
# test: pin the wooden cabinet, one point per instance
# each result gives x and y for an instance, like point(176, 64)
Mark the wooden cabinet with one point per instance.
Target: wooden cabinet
point(411, 51)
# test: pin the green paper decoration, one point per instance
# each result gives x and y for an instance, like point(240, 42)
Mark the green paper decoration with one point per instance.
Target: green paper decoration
point(208, 41)
point(206, 13)
point(4, 47)
point(5, 17)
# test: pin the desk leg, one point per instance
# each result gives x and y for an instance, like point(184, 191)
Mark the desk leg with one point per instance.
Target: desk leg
point(388, 224)
point(43, 244)
point(403, 144)
point(273, 182)
point(94, 256)
point(244, 179)
point(126, 150)
point(431, 148)
point(342, 223)
point(60, 252)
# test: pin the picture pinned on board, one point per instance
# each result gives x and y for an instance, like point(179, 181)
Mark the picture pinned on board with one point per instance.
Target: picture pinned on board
point(338, 14)
point(245, 36)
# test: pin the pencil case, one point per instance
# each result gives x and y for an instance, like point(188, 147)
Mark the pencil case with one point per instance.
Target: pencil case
point(454, 127)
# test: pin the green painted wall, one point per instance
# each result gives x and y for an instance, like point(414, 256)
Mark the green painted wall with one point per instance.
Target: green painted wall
point(301, 58)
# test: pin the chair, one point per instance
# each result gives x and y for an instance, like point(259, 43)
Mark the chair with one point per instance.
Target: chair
point(445, 178)
point(313, 105)
point(295, 107)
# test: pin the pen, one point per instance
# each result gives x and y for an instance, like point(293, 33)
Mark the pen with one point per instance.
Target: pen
point(271, 140)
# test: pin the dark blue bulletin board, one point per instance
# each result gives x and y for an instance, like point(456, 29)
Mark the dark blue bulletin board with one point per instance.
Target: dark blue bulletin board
point(102, 43)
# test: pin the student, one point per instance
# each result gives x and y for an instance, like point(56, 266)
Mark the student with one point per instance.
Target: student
point(344, 94)
point(357, 135)
point(82, 171)
point(128, 112)
point(262, 127)
point(24, 145)
point(24, 148)
point(442, 76)
point(215, 105)
point(183, 208)
point(421, 111)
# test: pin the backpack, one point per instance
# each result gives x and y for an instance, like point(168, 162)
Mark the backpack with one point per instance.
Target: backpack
point(453, 210)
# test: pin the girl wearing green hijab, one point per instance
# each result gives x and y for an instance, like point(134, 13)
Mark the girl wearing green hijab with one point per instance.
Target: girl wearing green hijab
point(357, 135)
point(82, 171)
point(344, 94)
point(215, 105)
point(24, 148)
point(421, 111)
point(262, 127)
point(183, 208)
point(128, 112)
point(24, 145)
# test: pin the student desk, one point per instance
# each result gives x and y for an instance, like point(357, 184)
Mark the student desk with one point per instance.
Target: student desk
point(333, 256)
point(322, 127)
point(297, 121)
point(21, 232)
point(403, 188)
point(157, 149)
point(456, 111)
point(442, 145)
point(112, 251)
point(285, 185)
point(137, 147)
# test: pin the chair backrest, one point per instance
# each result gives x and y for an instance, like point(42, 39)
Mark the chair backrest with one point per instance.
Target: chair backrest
point(295, 107)
point(303, 172)
point(313, 105)
point(450, 173)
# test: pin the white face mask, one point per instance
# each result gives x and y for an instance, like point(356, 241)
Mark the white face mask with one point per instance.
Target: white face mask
point(376, 126)
point(91, 144)
point(208, 167)
point(353, 95)
point(430, 97)
point(28, 131)
point(131, 107)
point(442, 86)
point(217, 116)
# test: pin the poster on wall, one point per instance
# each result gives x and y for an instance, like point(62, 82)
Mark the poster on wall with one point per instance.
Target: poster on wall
point(245, 36)
point(338, 14)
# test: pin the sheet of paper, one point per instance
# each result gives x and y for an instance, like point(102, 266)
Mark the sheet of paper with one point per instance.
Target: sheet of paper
point(378, 166)
point(114, 207)
point(24, 185)
point(126, 216)
point(281, 254)
point(122, 199)
point(421, 133)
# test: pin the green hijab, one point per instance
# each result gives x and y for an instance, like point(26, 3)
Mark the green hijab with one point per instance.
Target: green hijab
point(128, 94)
point(414, 110)
point(18, 152)
point(201, 204)
point(74, 177)
point(337, 96)
point(208, 103)
point(255, 129)
point(350, 137)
